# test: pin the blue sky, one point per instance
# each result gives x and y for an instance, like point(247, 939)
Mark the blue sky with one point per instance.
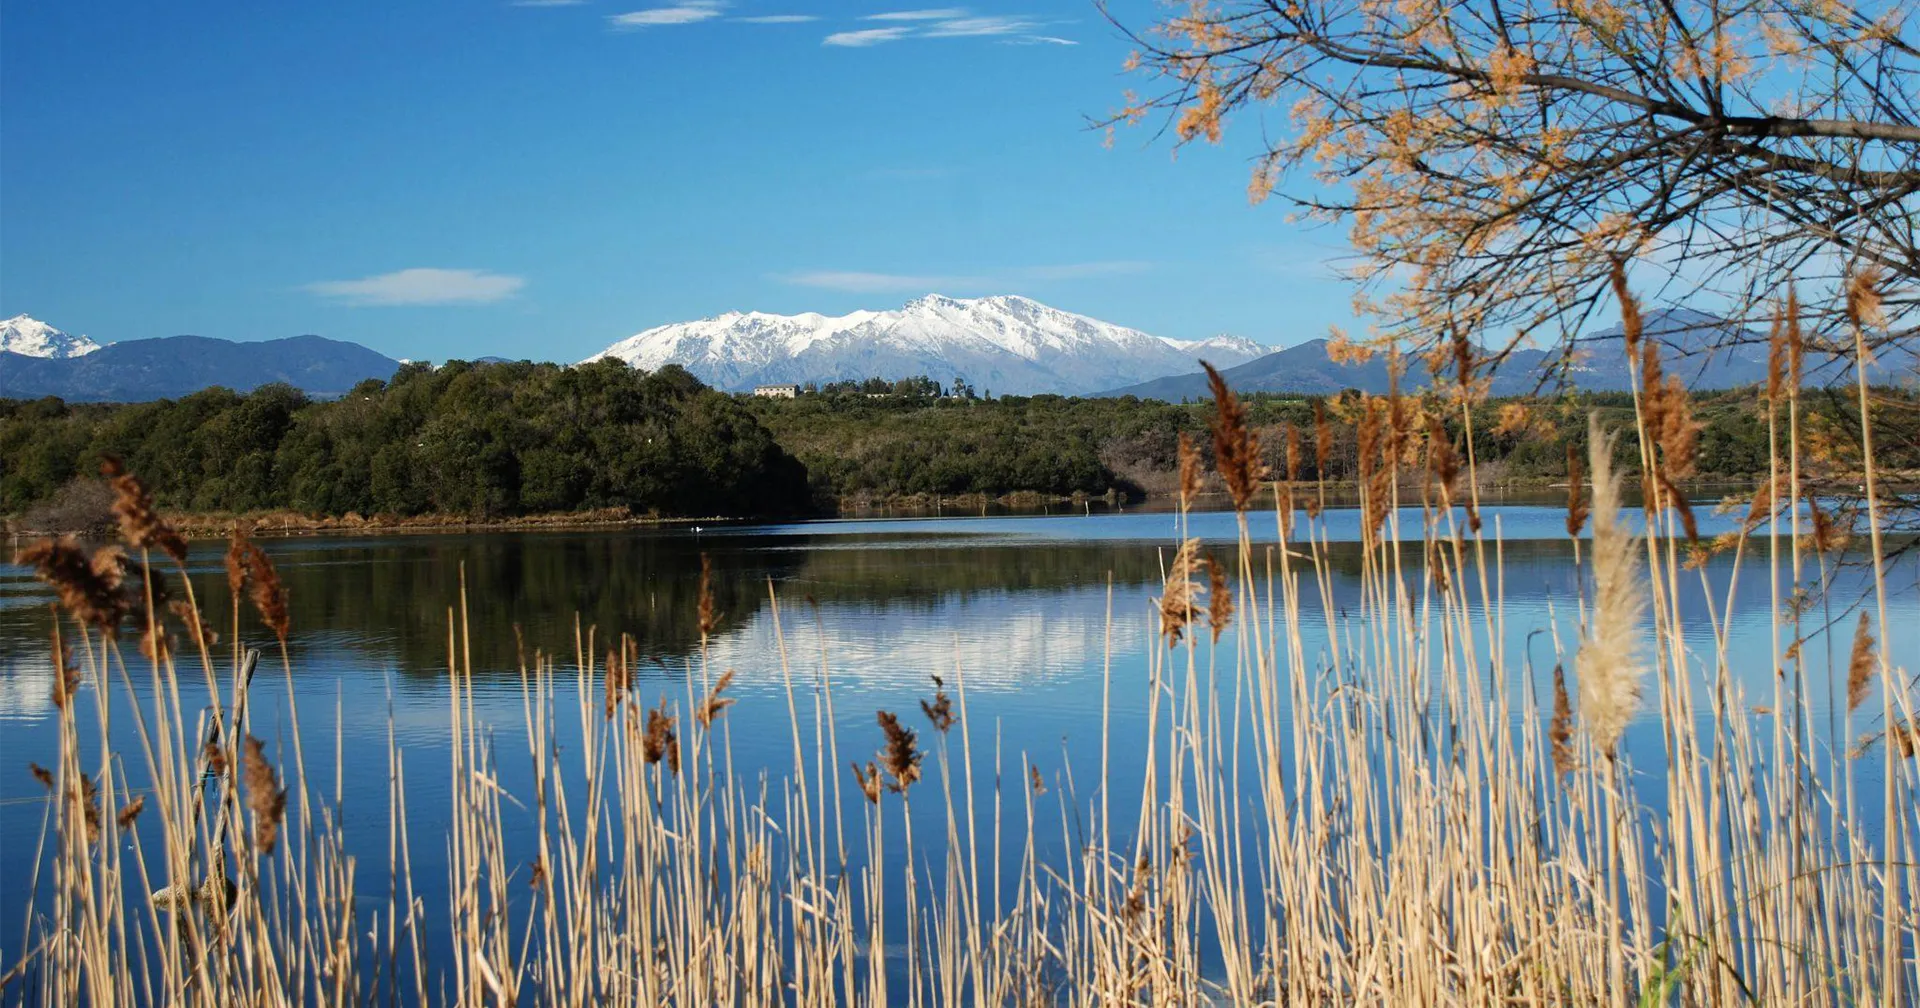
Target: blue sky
point(539, 180)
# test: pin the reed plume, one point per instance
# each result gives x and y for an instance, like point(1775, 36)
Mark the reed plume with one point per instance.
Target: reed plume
point(1462, 359)
point(1236, 451)
point(1322, 438)
point(88, 589)
point(131, 811)
point(1630, 325)
point(618, 680)
point(940, 711)
point(1776, 358)
point(141, 525)
point(1189, 471)
point(86, 795)
point(1576, 501)
point(1293, 453)
point(868, 778)
point(661, 741)
point(1864, 305)
point(1796, 342)
point(1560, 729)
point(1219, 598)
point(1860, 663)
point(1177, 597)
point(900, 756)
point(1608, 661)
point(713, 703)
point(41, 774)
point(708, 620)
point(1441, 460)
point(249, 566)
point(1829, 534)
point(1035, 782)
point(265, 796)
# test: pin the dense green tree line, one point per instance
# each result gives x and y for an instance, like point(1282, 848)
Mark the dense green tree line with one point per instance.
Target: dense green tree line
point(854, 445)
point(483, 440)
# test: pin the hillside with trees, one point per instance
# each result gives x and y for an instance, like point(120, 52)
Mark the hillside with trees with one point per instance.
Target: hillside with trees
point(484, 441)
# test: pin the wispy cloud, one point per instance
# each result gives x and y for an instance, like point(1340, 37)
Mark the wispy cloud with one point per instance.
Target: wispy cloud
point(865, 37)
point(932, 14)
point(948, 22)
point(685, 12)
point(975, 27)
point(861, 282)
point(777, 19)
point(421, 286)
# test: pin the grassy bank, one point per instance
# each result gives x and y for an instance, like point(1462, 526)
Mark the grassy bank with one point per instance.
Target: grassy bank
point(1391, 822)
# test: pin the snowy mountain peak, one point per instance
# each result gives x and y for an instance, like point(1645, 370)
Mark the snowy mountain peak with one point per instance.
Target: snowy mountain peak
point(1005, 343)
point(33, 338)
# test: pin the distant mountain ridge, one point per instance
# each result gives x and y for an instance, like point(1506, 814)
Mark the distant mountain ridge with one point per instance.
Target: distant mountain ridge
point(30, 337)
point(174, 366)
point(1704, 351)
point(1005, 344)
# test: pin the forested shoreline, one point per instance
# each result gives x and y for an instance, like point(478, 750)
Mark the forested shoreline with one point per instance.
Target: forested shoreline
point(521, 443)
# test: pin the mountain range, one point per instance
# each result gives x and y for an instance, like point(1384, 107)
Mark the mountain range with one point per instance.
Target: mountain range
point(1704, 351)
point(38, 360)
point(1005, 345)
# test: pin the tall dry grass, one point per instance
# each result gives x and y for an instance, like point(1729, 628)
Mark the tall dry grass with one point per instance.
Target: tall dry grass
point(1394, 818)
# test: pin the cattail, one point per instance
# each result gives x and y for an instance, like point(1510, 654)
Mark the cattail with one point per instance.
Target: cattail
point(1629, 308)
point(140, 523)
point(41, 774)
point(661, 740)
point(707, 618)
point(1035, 781)
point(1177, 596)
point(1859, 664)
point(940, 711)
point(264, 796)
point(900, 757)
point(1189, 471)
point(1219, 598)
point(1608, 659)
point(1236, 452)
point(1322, 438)
point(868, 778)
point(1293, 452)
point(130, 812)
point(714, 703)
point(90, 592)
point(1576, 502)
point(1560, 730)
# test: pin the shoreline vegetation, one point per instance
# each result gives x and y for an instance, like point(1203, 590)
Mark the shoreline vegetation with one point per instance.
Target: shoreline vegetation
point(536, 446)
point(1411, 818)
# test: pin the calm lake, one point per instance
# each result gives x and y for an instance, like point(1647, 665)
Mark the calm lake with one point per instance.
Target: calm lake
point(1033, 619)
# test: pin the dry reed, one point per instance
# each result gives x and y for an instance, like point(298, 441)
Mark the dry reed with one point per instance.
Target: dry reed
point(1608, 663)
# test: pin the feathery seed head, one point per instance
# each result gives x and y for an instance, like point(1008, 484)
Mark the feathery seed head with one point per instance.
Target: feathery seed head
point(1236, 451)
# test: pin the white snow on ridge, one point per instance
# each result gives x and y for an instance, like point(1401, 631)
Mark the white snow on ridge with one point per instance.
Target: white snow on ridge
point(1012, 345)
point(33, 338)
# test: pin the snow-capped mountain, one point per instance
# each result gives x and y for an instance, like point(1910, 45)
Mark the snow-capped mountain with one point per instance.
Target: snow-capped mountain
point(1008, 345)
point(31, 337)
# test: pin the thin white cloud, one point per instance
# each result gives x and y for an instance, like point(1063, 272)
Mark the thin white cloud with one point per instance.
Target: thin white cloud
point(1084, 270)
point(880, 283)
point(976, 27)
point(933, 14)
point(777, 19)
point(421, 286)
point(865, 37)
point(686, 12)
point(1039, 40)
point(861, 282)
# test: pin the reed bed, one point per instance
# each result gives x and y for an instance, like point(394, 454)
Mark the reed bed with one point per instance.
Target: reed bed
point(1395, 818)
